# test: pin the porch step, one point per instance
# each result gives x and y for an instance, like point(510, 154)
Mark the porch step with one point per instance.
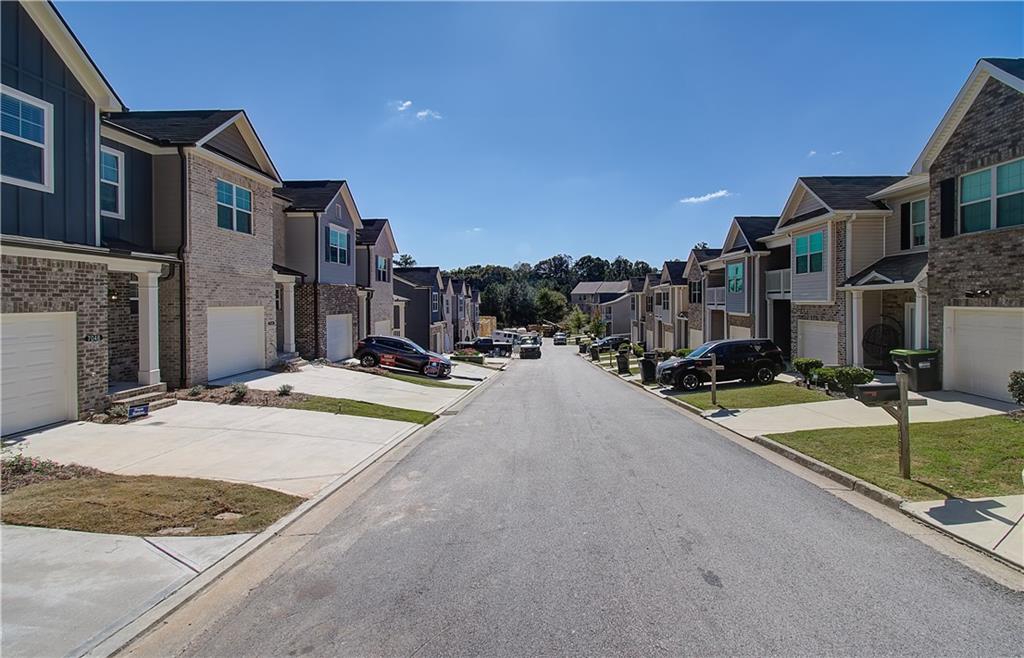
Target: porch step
point(151, 398)
point(128, 393)
point(162, 403)
point(292, 359)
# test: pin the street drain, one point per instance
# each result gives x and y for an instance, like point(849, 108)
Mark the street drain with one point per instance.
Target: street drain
point(450, 412)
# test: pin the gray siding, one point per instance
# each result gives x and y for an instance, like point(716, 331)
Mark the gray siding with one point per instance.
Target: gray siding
point(166, 203)
point(417, 313)
point(31, 65)
point(337, 214)
point(301, 239)
point(137, 226)
point(812, 286)
point(230, 142)
point(867, 243)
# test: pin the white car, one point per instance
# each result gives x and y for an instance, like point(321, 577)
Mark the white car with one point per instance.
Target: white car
point(560, 338)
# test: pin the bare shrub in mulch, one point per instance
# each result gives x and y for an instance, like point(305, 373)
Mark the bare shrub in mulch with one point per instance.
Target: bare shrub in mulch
point(373, 370)
point(17, 470)
point(253, 397)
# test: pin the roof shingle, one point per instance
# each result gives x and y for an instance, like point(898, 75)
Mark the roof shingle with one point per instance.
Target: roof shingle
point(309, 195)
point(172, 127)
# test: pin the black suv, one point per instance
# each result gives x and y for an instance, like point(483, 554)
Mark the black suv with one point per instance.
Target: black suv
point(753, 360)
point(401, 353)
point(610, 342)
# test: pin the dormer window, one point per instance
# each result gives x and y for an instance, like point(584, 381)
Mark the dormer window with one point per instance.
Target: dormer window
point(26, 124)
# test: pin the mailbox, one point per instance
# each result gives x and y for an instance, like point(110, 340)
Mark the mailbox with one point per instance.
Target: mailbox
point(875, 395)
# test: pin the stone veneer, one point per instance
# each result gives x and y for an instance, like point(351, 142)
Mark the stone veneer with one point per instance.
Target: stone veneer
point(739, 320)
point(334, 299)
point(42, 285)
point(991, 132)
point(835, 312)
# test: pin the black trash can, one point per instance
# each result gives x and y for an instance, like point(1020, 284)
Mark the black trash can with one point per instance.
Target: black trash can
point(648, 368)
point(622, 361)
point(583, 348)
point(923, 368)
point(577, 340)
point(595, 354)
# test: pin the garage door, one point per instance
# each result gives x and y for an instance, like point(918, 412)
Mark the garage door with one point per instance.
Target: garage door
point(382, 328)
point(236, 340)
point(339, 336)
point(818, 340)
point(37, 369)
point(738, 332)
point(986, 344)
point(696, 337)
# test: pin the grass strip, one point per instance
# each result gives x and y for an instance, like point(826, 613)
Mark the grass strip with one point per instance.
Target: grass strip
point(750, 396)
point(365, 409)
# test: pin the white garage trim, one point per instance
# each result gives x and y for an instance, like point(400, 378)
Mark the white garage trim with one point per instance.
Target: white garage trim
point(38, 362)
point(339, 336)
point(981, 346)
point(235, 340)
point(818, 339)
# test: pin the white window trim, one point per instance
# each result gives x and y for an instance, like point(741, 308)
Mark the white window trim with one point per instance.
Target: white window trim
point(235, 208)
point(47, 108)
point(742, 277)
point(924, 221)
point(993, 198)
point(809, 252)
point(120, 182)
point(434, 307)
point(344, 233)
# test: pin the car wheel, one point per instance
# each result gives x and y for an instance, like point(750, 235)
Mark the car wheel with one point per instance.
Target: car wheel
point(423, 369)
point(689, 381)
point(369, 360)
point(764, 374)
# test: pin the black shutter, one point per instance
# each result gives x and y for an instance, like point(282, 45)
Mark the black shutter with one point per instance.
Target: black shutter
point(947, 208)
point(904, 226)
point(348, 246)
point(327, 243)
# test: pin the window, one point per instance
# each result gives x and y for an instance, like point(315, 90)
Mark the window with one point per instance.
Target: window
point(632, 302)
point(26, 124)
point(336, 249)
point(696, 293)
point(111, 183)
point(382, 269)
point(433, 301)
point(990, 201)
point(664, 301)
point(810, 253)
point(734, 277)
point(234, 207)
point(650, 303)
point(918, 223)
point(657, 299)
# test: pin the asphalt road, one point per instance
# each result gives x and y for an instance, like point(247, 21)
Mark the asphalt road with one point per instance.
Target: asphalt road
point(565, 513)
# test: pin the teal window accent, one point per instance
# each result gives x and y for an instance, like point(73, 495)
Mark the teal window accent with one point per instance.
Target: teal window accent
point(810, 252)
point(1010, 194)
point(976, 201)
point(918, 223)
point(234, 207)
point(337, 245)
point(734, 277)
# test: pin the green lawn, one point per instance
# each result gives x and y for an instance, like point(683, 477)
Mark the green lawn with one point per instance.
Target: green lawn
point(367, 409)
point(750, 396)
point(425, 381)
point(958, 458)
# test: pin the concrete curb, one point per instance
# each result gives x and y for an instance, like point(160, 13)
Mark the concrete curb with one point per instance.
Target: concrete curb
point(963, 540)
point(163, 608)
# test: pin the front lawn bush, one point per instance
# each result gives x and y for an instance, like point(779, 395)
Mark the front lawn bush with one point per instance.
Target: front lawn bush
point(849, 376)
point(825, 377)
point(683, 352)
point(638, 351)
point(239, 390)
point(1016, 386)
point(804, 366)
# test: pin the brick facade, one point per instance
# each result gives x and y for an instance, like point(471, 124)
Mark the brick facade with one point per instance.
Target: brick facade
point(835, 312)
point(991, 132)
point(740, 320)
point(123, 327)
point(42, 285)
point(311, 327)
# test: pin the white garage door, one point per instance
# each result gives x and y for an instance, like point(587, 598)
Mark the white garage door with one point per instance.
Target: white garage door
point(818, 340)
point(696, 338)
point(738, 332)
point(38, 370)
point(382, 328)
point(235, 340)
point(986, 344)
point(339, 336)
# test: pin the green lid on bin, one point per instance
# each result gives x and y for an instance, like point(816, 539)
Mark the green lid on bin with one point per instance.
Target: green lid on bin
point(902, 352)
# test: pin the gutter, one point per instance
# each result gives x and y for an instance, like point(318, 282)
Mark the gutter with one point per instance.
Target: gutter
point(317, 253)
point(182, 249)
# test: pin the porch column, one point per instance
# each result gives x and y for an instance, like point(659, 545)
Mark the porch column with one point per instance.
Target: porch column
point(920, 318)
point(149, 323)
point(857, 326)
point(401, 320)
point(288, 314)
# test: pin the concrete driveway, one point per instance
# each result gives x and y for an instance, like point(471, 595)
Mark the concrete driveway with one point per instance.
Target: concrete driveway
point(942, 405)
point(342, 383)
point(297, 452)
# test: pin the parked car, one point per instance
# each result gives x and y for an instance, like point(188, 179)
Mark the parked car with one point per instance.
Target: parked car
point(560, 339)
point(486, 345)
point(529, 347)
point(610, 343)
point(401, 353)
point(753, 360)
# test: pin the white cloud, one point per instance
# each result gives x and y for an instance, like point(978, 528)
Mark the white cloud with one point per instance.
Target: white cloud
point(835, 153)
point(704, 198)
point(427, 114)
point(476, 230)
point(812, 153)
point(400, 106)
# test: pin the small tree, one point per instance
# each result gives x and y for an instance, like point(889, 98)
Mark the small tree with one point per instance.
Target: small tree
point(577, 320)
point(405, 260)
point(550, 304)
point(596, 326)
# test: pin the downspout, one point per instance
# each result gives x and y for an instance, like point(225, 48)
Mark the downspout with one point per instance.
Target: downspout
point(182, 249)
point(317, 255)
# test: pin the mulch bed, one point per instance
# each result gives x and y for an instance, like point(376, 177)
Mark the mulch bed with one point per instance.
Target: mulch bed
point(253, 398)
point(373, 370)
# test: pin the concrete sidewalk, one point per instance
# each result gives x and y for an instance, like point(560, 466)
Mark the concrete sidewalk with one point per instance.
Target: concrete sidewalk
point(942, 405)
point(65, 591)
point(993, 524)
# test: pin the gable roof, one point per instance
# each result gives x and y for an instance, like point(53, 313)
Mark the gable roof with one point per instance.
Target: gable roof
point(372, 231)
point(900, 268)
point(309, 195)
point(672, 272)
point(636, 283)
point(596, 287)
point(654, 279)
point(704, 255)
point(1009, 71)
point(756, 227)
point(420, 276)
point(848, 192)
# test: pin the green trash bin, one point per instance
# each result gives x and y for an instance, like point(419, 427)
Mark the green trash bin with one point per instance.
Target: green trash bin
point(925, 373)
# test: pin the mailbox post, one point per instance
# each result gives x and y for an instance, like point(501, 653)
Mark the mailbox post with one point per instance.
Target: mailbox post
point(711, 367)
point(893, 399)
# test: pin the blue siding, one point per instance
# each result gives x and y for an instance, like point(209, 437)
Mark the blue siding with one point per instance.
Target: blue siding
point(30, 65)
point(136, 228)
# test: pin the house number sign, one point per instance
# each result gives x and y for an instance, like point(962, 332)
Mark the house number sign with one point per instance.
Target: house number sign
point(93, 338)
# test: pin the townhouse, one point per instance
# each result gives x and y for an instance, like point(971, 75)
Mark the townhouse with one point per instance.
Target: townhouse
point(375, 250)
point(671, 305)
point(424, 289)
point(646, 320)
point(616, 313)
point(588, 294)
point(636, 308)
point(699, 280)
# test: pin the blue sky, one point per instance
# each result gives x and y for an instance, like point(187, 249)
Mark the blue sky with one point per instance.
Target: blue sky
point(497, 133)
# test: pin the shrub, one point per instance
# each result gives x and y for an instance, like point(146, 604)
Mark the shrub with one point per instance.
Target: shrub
point(238, 391)
point(637, 350)
point(805, 366)
point(849, 376)
point(196, 390)
point(825, 377)
point(683, 351)
point(467, 351)
point(1016, 386)
point(285, 389)
point(118, 411)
